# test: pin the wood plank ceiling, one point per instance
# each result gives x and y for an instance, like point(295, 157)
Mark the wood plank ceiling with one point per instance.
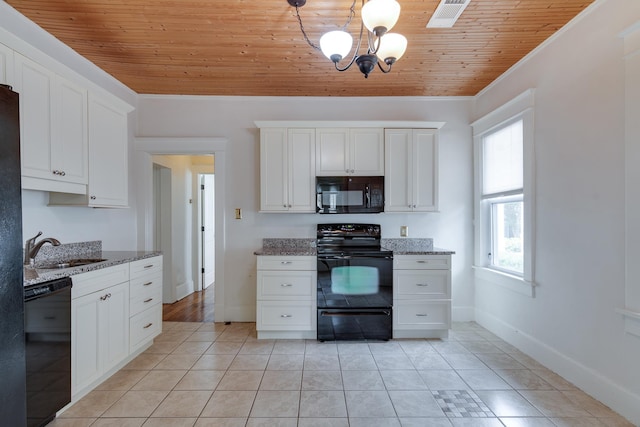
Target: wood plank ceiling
point(242, 47)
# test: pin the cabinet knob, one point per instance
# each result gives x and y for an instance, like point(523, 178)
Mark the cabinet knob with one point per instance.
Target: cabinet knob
point(63, 173)
point(414, 206)
point(408, 206)
point(289, 206)
point(421, 315)
point(286, 285)
point(352, 171)
point(422, 261)
point(105, 297)
point(285, 262)
point(284, 206)
point(422, 284)
point(147, 326)
point(92, 197)
point(148, 300)
point(147, 284)
point(286, 316)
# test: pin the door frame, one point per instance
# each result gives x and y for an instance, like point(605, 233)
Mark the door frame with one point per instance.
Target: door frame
point(144, 149)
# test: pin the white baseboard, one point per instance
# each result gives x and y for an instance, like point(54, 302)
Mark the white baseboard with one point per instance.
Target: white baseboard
point(184, 289)
point(463, 314)
point(618, 398)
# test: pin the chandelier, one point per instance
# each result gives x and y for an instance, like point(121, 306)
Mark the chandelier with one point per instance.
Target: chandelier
point(378, 16)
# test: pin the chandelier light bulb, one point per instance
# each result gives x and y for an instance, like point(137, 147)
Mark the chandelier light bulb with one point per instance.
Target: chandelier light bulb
point(336, 45)
point(379, 16)
point(392, 47)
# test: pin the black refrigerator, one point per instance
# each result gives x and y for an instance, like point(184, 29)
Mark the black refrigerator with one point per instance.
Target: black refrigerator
point(12, 343)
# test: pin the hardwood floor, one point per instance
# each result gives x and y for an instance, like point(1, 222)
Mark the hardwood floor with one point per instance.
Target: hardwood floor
point(197, 307)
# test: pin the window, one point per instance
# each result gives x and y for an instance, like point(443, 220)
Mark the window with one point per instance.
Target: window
point(503, 192)
point(502, 187)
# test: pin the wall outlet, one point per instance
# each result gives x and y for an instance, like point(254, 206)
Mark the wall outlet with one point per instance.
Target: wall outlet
point(238, 213)
point(404, 231)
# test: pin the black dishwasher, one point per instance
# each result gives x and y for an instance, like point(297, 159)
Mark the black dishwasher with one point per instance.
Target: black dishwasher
point(47, 315)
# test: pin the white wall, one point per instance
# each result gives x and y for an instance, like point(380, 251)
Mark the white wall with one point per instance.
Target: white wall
point(115, 227)
point(233, 118)
point(571, 324)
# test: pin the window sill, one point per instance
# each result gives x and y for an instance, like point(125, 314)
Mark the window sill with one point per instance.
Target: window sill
point(631, 321)
point(509, 281)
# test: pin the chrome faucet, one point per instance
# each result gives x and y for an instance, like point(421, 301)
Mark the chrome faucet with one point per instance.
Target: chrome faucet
point(31, 248)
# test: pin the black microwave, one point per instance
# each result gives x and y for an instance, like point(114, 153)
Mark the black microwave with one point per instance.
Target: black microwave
point(349, 194)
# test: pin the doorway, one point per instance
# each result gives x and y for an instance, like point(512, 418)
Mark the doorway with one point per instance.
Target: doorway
point(148, 147)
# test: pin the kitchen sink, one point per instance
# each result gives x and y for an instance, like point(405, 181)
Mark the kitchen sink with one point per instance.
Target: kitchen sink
point(78, 262)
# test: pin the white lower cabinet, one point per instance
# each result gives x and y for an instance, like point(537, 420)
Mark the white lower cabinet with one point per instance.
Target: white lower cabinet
point(286, 297)
point(421, 296)
point(145, 321)
point(100, 324)
point(116, 312)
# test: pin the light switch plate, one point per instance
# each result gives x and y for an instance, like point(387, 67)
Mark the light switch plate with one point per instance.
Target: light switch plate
point(404, 231)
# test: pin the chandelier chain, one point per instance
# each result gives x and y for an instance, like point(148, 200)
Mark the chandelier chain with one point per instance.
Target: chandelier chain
point(304, 33)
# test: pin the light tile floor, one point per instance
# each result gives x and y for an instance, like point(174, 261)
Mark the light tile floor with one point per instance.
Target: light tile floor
point(206, 374)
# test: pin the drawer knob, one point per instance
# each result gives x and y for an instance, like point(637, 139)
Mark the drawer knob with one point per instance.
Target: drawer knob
point(422, 284)
point(148, 266)
point(105, 297)
point(286, 285)
point(148, 300)
point(147, 284)
point(421, 315)
point(285, 262)
point(422, 261)
point(286, 316)
point(147, 326)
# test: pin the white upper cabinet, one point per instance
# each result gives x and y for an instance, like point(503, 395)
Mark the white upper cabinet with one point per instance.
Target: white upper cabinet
point(108, 155)
point(53, 129)
point(349, 151)
point(287, 165)
point(411, 170)
point(6, 65)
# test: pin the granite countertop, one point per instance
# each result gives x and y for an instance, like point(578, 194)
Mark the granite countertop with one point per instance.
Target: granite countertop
point(35, 275)
point(306, 247)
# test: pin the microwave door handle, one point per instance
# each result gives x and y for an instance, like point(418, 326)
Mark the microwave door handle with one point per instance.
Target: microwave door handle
point(368, 196)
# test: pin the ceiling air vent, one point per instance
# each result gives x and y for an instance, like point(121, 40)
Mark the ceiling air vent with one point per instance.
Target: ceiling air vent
point(447, 13)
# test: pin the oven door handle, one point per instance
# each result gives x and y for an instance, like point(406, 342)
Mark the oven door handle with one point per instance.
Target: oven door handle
point(354, 313)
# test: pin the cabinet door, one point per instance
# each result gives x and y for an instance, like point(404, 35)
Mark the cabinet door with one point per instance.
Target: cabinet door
point(398, 180)
point(70, 148)
point(425, 170)
point(6, 65)
point(35, 85)
point(108, 153)
point(366, 151)
point(301, 166)
point(114, 325)
point(85, 348)
point(273, 170)
point(332, 152)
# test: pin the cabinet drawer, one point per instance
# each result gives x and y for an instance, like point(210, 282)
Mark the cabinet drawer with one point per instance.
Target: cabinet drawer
point(144, 266)
point(145, 326)
point(285, 316)
point(146, 284)
point(93, 281)
point(286, 284)
point(434, 284)
point(141, 302)
point(422, 262)
point(287, 263)
point(422, 314)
